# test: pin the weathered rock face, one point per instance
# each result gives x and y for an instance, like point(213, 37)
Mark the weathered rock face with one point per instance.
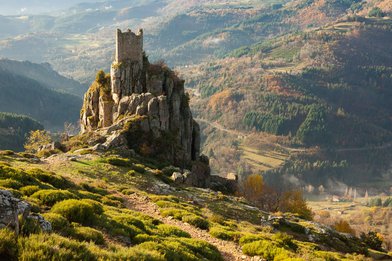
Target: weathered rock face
point(146, 105)
point(11, 208)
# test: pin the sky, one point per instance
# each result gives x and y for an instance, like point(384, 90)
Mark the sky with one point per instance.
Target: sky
point(25, 7)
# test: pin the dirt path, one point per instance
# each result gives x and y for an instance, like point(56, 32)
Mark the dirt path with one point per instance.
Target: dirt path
point(228, 249)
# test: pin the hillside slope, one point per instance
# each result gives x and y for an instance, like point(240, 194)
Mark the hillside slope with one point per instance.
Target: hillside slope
point(44, 74)
point(326, 87)
point(22, 95)
point(137, 211)
point(14, 129)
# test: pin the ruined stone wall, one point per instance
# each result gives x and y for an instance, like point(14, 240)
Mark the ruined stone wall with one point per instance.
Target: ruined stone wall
point(129, 46)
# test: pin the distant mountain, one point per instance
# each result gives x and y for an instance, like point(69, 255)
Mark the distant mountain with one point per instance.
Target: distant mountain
point(43, 74)
point(14, 130)
point(23, 95)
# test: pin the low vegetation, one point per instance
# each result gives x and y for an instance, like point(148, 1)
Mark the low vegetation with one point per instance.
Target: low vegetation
point(91, 222)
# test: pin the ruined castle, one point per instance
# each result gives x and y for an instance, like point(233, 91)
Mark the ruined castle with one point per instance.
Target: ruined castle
point(142, 106)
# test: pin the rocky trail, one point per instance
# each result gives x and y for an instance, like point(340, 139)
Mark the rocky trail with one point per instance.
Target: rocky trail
point(229, 250)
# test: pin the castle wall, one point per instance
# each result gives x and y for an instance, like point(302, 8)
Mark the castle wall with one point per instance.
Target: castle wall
point(129, 46)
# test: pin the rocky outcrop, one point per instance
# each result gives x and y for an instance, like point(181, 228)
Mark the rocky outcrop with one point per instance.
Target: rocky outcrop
point(11, 208)
point(142, 106)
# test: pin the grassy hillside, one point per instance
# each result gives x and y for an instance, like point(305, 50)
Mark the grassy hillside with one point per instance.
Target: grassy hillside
point(22, 95)
point(107, 207)
point(14, 129)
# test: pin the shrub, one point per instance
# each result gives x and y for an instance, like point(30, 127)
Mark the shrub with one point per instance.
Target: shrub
point(29, 190)
point(266, 249)
point(169, 250)
point(126, 224)
point(88, 234)
point(202, 248)
point(88, 195)
point(141, 238)
point(175, 213)
point(170, 198)
point(196, 221)
point(253, 188)
point(139, 168)
point(50, 197)
point(116, 161)
point(249, 238)
point(112, 202)
point(10, 183)
point(127, 220)
point(167, 204)
point(217, 219)
point(344, 227)
point(59, 223)
point(167, 230)
point(294, 202)
point(223, 233)
point(284, 240)
point(139, 253)
point(8, 245)
point(52, 247)
point(82, 211)
point(51, 178)
point(372, 240)
point(92, 189)
point(98, 209)
point(131, 173)
point(8, 172)
point(183, 249)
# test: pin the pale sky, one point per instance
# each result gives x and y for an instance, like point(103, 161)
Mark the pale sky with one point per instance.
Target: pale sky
point(18, 7)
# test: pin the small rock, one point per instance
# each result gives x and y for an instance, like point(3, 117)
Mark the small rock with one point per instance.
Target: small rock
point(177, 177)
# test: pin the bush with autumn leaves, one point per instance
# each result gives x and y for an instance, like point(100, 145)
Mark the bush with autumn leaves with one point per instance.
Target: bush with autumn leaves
point(267, 198)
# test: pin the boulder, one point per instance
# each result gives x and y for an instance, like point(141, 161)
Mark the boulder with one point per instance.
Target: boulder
point(115, 140)
point(200, 175)
point(11, 208)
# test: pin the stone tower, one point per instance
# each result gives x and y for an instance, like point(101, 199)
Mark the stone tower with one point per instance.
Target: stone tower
point(129, 46)
point(127, 75)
